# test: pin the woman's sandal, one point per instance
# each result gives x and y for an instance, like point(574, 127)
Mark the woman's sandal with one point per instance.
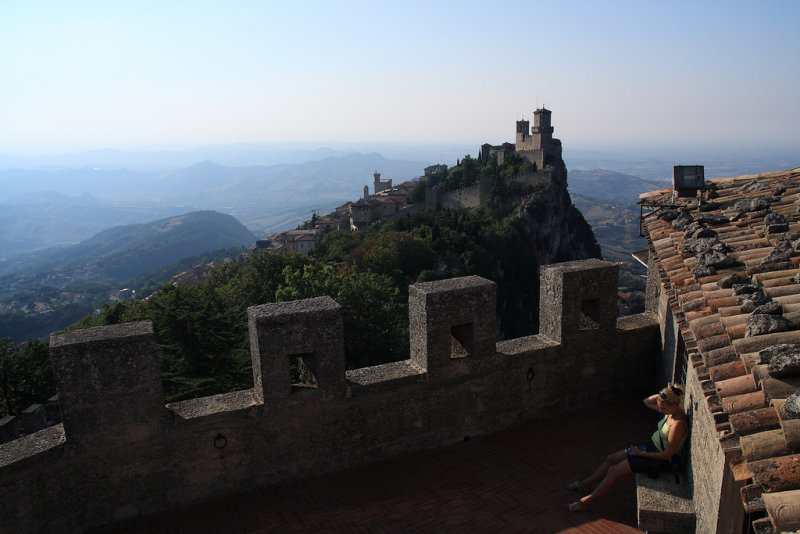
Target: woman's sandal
point(576, 506)
point(577, 486)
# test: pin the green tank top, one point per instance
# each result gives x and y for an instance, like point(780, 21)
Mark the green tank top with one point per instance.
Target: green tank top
point(661, 436)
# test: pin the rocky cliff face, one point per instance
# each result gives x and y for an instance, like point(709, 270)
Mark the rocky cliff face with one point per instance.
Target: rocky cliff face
point(556, 231)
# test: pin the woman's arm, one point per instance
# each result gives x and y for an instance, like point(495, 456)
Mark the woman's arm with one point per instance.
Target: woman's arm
point(676, 434)
point(651, 402)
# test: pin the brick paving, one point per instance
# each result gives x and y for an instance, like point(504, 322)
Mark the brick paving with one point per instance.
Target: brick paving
point(512, 481)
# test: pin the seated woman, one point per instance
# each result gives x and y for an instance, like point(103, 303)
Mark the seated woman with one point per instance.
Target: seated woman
point(666, 442)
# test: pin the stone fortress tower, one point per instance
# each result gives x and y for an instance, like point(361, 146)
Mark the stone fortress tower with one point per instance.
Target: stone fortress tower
point(535, 144)
point(381, 184)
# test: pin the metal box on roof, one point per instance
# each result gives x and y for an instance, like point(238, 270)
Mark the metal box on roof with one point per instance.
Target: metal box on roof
point(687, 179)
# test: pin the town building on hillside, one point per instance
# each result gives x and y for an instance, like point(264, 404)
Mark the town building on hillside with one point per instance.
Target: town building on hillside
point(263, 244)
point(435, 170)
point(193, 276)
point(302, 241)
point(383, 205)
point(328, 223)
point(364, 212)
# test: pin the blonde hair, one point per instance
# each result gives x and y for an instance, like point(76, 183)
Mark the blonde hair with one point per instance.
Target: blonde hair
point(672, 394)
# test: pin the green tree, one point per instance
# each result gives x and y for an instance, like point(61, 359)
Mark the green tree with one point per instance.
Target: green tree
point(336, 245)
point(374, 315)
point(8, 377)
point(26, 375)
point(417, 193)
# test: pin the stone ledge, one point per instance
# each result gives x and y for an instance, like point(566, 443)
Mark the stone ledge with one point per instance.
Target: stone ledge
point(523, 346)
point(634, 322)
point(32, 447)
point(386, 376)
point(214, 404)
point(664, 506)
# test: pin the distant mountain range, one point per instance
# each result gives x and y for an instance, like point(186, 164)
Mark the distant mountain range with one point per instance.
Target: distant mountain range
point(41, 208)
point(235, 155)
point(124, 252)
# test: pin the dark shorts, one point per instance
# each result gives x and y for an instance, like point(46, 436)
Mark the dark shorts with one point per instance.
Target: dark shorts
point(643, 465)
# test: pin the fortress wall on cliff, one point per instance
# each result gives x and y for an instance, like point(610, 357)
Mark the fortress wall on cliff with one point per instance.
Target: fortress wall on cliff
point(539, 177)
point(478, 194)
point(464, 198)
point(121, 452)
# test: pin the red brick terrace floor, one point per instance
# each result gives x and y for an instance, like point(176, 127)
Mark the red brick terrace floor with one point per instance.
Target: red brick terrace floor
point(512, 481)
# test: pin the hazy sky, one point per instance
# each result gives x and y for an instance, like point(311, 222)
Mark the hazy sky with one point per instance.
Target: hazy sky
point(82, 75)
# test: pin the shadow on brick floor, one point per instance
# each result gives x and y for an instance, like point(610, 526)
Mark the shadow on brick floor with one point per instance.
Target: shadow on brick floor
point(512, 481)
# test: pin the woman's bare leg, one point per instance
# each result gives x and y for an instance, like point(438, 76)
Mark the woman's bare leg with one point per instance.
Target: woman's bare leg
point(602, 469)
point(615, 472)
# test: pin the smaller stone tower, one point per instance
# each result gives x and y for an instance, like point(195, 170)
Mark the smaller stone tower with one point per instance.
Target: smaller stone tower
point(381, 185)
point(523, 132)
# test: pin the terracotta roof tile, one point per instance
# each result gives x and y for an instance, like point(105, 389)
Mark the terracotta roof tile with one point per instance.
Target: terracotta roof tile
point(744, 402)
point(783, 510)
point(764, 445)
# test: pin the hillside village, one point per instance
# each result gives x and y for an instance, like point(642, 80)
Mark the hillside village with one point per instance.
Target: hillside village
point(384, 203)
point(536, 144)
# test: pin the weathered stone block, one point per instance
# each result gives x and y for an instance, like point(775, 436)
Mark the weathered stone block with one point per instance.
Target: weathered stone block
point(451, 320)
point(577, 296)
point(663, 505)
point(109, 383)
point(9, 428)
point(300, 341)
point(33, 418)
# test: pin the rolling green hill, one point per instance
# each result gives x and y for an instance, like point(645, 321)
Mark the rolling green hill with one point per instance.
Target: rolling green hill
point(125, 252)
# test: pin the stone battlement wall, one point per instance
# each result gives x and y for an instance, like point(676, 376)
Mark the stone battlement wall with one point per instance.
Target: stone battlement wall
point(121, 452)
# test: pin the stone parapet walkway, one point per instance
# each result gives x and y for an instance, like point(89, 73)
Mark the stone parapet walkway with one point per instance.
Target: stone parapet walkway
point(508, 482)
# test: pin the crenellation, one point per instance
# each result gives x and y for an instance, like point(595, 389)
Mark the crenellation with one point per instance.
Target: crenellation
point(591, 284)
point(33, 418)
point(282, 332)
point(451, 320)
point(9, 428)
point(109, 383)
point(99, 467)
